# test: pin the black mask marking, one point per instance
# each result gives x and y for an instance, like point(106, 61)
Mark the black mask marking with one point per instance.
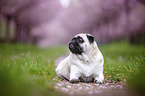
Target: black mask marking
point(74, 46)
point(90, 38)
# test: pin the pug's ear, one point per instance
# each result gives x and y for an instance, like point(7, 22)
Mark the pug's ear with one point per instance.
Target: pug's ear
point(90, 38)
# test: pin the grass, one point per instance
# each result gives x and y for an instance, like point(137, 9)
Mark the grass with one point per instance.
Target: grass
point(27, 69)
point(126, 63)
point(122, 59)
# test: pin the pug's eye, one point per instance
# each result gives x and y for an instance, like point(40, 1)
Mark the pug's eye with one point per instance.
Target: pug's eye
point(81, 40)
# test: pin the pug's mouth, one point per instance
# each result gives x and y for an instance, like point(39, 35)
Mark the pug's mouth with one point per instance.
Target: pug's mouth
point(75, 48)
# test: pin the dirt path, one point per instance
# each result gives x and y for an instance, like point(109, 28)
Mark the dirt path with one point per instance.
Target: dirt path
point(91, 89)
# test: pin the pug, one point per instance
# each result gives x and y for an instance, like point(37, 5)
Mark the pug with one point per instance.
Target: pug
point(85, 62)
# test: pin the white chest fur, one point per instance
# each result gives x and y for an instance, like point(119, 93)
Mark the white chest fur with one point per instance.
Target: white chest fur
point(85, 65)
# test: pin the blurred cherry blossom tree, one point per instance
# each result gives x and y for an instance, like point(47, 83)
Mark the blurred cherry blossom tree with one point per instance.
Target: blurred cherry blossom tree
point(52, 22)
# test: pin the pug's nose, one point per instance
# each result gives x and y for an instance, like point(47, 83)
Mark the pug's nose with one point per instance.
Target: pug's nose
point(70, 44)
point(73, 40)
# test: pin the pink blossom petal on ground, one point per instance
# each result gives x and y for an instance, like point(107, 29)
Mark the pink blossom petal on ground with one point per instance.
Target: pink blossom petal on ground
point(109, 76)
point(107, 83)
point(120, 87)
point(78, 84)
point(112, 86)
point(58, 84)
point(103, 87)
point(114, 82)
point(88, 85)
point(64, 89)
point(74, 84)
point(60, 81)
point(124, 80)
point(87, 88)
point(97, 84)
point(80, 88)
point(56, 87)
point(53, 78)
point(68, 86)
point(117, 85)
point(100, 86)
point(106, 87)
point(90, 92)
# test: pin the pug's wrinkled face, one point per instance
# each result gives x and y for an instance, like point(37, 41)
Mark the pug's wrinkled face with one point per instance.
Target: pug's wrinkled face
point(81, 43)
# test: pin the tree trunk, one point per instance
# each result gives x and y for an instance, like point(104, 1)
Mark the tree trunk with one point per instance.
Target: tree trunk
point(23, 34)
point(8, 21)
point(0, 27)
point(27, 36)
point(127, 13)
point(18, 30)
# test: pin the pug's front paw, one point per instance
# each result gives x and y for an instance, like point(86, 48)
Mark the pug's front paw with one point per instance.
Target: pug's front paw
point(98, 82)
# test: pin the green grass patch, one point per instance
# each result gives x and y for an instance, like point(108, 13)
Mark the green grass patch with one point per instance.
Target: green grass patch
point(137, 77)
point(121, 60)
point(27, 69)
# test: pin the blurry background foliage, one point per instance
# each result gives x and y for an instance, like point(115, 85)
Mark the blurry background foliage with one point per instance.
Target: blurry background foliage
point(53, 22)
